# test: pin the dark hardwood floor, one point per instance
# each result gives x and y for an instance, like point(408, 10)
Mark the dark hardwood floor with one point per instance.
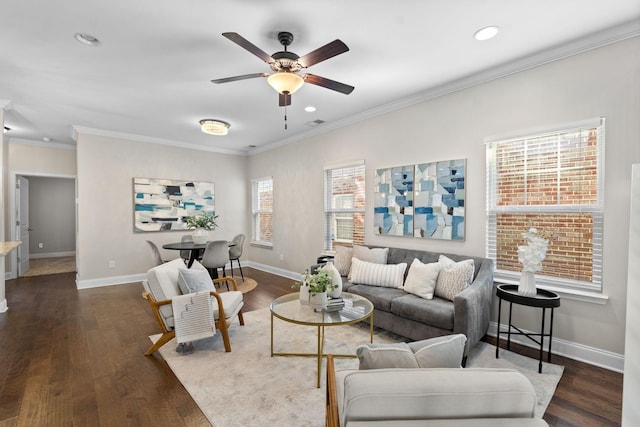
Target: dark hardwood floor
point(73, 357)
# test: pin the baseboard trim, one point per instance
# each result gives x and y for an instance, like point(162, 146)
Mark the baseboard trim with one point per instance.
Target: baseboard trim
point(3, 306)
point(51, 255)
point(274, 270)
point(582, 353)
point(110, 281)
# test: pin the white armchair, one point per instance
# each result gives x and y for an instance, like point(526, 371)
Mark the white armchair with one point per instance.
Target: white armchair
point(162, 285)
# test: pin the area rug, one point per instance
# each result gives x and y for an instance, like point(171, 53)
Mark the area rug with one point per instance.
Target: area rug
point(248, 387)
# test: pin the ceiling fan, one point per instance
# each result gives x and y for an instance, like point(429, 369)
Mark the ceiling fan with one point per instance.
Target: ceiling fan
point(286, 65)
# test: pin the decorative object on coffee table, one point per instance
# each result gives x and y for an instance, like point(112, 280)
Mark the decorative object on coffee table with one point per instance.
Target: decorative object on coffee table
point(201, 224)
point(317, 286)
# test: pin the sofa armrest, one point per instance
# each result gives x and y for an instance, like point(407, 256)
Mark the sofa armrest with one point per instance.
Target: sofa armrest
point(472, 307)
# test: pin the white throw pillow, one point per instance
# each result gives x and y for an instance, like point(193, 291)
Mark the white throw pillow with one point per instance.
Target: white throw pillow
point(421, 279)
point(439, 352)
point(375, 255)
point(342, 259)
point(191, 281)
point(383, 356)
point(454, 277)
point(369, 273)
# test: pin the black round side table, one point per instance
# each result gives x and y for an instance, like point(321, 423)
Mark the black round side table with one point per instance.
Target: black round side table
point(543, 299)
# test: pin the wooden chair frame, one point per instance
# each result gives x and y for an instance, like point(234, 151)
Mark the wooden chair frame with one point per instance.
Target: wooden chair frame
point(221, 323)
point(332, 418)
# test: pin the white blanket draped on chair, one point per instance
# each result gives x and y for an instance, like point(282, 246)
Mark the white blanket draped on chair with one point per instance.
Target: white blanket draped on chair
point(193, 317)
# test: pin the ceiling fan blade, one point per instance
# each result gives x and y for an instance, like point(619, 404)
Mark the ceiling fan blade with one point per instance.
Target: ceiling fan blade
point(243, 77)
point(327, 51)
point(242, 42)
point(328, 83)
point(284, 99)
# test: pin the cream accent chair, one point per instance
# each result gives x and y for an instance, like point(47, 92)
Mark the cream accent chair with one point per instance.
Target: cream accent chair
point(162, 285)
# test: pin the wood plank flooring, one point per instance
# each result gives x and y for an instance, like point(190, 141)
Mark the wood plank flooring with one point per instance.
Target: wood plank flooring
point(73, 357)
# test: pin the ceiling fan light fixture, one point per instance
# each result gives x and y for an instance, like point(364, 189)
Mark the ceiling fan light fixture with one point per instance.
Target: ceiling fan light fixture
point(214, 127)
point(284, 81)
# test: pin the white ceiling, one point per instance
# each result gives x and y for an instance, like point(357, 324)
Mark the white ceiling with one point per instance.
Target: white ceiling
point(150, 75)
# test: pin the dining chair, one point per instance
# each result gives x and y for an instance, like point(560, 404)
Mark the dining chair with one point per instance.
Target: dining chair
point(215, 256)
point(155, 253)
point(235, 252)
point(186, 254)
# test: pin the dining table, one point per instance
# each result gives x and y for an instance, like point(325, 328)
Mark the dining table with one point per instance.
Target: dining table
point(195, 249)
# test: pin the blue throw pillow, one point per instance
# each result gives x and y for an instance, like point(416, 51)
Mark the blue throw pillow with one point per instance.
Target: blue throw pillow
point(191, 281)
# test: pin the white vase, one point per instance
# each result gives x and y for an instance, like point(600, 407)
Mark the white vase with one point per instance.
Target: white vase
point(318, 301)
point(200, 236)
point(304, 294)
point(527, 285)
point(336, 280)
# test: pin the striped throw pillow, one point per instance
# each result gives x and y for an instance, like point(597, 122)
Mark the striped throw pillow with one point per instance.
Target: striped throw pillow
point(369, 273)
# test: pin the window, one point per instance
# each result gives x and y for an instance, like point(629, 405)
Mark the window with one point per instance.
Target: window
point(262, 208)
point(344, 205)
point(554, 182)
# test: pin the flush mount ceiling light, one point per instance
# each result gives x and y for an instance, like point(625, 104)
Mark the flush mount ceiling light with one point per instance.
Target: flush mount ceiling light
point(214, 127)
point(486, 33)
point(87, 39)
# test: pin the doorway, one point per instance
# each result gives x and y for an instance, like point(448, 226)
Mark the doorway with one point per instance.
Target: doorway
point(46, 224)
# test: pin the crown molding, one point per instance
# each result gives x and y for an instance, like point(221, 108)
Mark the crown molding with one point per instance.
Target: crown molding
point(76, 130)
point(5, 104)
point(38, 143)
point(593, 41)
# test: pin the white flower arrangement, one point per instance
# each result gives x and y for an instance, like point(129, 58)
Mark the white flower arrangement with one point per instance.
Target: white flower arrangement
point(532, 255)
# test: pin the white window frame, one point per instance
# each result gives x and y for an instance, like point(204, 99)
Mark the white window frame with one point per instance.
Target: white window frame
point(579, 289)
point(257, 210)
point(328, 210)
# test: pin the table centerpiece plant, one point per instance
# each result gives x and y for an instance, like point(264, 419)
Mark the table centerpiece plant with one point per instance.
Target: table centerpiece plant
point(314, 288)
point(201, 224)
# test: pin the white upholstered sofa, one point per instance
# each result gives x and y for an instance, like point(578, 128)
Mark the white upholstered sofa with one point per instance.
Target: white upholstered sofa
point(429, 397)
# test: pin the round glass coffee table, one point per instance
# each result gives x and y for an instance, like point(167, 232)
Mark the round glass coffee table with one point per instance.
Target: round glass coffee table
point(288, 308)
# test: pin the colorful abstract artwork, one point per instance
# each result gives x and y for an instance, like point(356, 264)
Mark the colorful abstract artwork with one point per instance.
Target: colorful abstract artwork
point(162, 204)
point(438, 204)
point(393, 201)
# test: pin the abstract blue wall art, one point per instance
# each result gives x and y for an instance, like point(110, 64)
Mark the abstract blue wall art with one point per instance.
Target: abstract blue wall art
point(393, 201)
point(162, 204)
point(439, 200)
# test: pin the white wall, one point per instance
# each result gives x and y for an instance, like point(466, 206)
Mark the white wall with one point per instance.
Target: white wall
point(106, 168)
point(600, 83)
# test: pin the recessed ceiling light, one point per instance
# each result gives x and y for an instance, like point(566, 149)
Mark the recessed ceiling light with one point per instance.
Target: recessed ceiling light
point(87, 39)
point(46, 139)
point(214, 126)
point(486, 33)
point(309, 108)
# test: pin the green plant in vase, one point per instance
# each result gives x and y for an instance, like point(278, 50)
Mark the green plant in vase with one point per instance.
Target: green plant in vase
point(201, 224)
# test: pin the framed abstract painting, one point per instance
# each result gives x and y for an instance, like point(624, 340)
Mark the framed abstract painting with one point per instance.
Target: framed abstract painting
point(393, 201)
point(162, 204)
point(438, 205)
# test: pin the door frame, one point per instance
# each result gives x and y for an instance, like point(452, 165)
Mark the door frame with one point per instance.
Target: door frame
point(13, 178)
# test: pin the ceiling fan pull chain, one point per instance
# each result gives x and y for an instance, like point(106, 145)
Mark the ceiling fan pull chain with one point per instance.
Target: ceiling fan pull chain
point(285, 117)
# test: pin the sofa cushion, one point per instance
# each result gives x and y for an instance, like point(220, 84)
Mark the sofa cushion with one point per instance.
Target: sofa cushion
point(454, 277)
point(342, 259)
point(439, 393)
point(379, 356)
point(436, 312)
point(369, 273)
point(375, 255)
point(421, 279)
point(380, 297)
point(439, 352)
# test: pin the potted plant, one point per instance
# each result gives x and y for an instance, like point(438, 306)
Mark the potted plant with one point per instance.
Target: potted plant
point(317, 286)
point(201, 224)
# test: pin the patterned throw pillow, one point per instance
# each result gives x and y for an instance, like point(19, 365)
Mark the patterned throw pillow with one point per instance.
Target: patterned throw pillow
point(375, 255)
point(342, 259)
point(369, 273)
point(421, 279)
point(454, 277)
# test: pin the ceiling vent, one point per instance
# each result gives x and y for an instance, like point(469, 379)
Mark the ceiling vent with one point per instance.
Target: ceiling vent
point(315, 123)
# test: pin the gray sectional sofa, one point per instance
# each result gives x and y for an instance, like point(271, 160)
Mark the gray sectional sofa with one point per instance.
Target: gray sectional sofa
point(417, 318)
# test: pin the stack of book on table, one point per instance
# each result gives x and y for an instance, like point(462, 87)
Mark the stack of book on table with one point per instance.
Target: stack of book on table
point(335, 304)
